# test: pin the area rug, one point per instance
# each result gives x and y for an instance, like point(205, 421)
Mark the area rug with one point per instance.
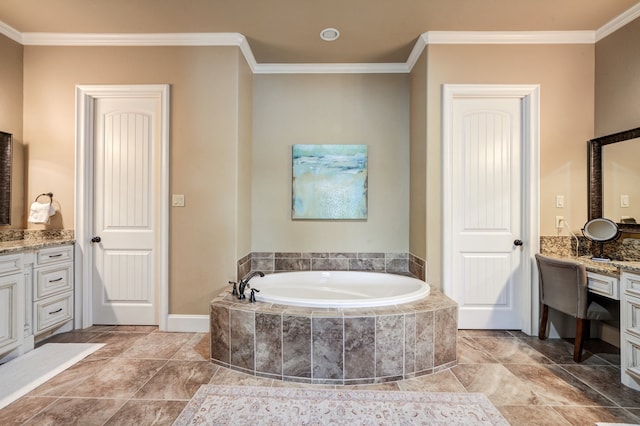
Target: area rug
point(23, 374)
point(246, 405)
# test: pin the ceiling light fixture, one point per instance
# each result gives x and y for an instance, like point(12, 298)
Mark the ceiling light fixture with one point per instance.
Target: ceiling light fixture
point(329, 34)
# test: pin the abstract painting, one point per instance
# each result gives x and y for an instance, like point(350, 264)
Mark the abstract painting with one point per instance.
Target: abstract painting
point(329, 182)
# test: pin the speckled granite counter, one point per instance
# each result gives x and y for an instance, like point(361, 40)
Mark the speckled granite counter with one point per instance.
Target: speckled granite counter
point(19, 240)
point(24, 245)
point(612, 268)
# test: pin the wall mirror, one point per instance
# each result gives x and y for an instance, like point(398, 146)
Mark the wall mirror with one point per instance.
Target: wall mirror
point(5, 178)
point(614, 179)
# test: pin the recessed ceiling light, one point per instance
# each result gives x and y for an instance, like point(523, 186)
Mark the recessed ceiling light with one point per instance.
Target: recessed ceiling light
point(329, 34)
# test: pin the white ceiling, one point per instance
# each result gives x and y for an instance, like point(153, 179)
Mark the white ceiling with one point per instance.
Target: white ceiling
point(287, 31)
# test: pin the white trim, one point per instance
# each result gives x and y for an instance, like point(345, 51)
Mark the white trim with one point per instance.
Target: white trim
point(123, 39)
point(382, 68)
point(618, 22)
point(188, 323)
point(530, 95)
point(510, 37)
point(85, 98)
point(417, 50)
point(10, 32)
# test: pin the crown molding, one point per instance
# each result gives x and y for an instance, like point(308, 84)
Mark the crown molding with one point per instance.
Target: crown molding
point(618, 22)
point(10, 32)
point(345, 68)
point(509, 37)
point(134, 39)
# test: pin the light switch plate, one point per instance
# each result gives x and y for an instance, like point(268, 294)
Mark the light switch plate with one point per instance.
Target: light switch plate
point(177, 200)
point(559, 201)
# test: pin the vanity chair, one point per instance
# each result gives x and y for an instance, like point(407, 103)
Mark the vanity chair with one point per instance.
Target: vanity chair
point(563, 287)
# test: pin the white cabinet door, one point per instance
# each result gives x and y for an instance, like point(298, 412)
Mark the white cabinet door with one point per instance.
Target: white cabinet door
point(11, 311)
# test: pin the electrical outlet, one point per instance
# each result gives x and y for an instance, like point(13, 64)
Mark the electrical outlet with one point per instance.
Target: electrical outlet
point(559, 222)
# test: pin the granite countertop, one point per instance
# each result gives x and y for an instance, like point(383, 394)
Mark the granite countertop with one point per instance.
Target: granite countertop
point(24, 245)
point(612, 268)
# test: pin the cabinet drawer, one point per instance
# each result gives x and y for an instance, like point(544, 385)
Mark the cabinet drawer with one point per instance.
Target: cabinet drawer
point(630, 313)
point(631, 284)
point(51, 255)
point(53, 311)
point(53, 279)
point(603, 285)
point(630, 361)
point(10, 264)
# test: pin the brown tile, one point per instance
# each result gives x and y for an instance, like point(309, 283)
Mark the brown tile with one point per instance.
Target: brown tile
point(157, 346)
point(555, 386)
point(389, 345)
point(484, 333)
point(74, 337)
point(606, 380)
point(196, 349)
point(327, 348)
point(120, 378)
point(177, 380)
point(532, 416)
point(268, 343)
point(219, 332)
point(497, 383)
point(442, 381)
point(560, 351)
point(359, 347)
point(136, 328)
point(590, 415)
point(511, 350)
point(470, 353)
point(82, 411)
point(114, 343)
point(70, 378)
point(23, 409)
point(225, 376)
point(445, 331)
point(389, 387)
point(242, 335)
point(136, 412)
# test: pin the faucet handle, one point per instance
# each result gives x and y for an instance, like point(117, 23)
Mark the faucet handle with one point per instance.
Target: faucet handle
point(234, 292)
point(252, 297)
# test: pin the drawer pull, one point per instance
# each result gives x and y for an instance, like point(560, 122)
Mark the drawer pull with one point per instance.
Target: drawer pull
point(56, 280)
point(55, 255)
point(55, 312)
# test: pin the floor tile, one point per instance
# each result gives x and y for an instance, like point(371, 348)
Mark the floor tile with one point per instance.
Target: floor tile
point(511, 350)
point(442, 381)
point(560, 351)
point(114, 343)
point(196, 349)
point(606, 380)
point(120, 378)
point(23, 409)
point(590, 415)
point(469, 352)
point(80, 411)
point(225, 376)
point(177, 380)
point(497, 383)
point(532, 416)
point(157, 345)
point(136, 412)
point(70, 378)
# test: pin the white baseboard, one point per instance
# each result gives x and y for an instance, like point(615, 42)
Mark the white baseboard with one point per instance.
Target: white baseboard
point(188, 323)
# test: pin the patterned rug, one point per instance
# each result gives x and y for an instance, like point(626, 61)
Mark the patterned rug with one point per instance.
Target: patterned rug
point(245, 405)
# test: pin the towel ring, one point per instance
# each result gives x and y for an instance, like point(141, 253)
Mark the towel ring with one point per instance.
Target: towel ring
point(46, 194)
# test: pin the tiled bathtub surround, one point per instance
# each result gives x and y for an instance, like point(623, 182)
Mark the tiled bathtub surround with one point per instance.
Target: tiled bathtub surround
point(627, 249)
point(335, 346)
point(395, 263)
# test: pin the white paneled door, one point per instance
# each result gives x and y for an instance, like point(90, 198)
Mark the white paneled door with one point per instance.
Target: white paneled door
point(126, 181)
point(485, 266)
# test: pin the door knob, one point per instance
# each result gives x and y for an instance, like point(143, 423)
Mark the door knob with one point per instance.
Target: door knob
point(518, 243)
point(96, 239)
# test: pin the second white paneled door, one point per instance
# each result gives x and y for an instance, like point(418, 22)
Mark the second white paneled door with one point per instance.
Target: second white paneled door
point(486, 263)
point(127, 173)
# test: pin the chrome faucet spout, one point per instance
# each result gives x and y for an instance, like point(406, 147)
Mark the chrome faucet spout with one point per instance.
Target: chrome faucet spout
point(244, 283)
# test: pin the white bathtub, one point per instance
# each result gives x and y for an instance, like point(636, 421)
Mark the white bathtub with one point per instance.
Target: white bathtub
point(338, 289)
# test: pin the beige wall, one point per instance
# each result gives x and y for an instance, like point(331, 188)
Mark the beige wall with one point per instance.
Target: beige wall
point(204, 152)
point(11, 122)
point(418, 159)
point(245, 147)
point(331, 109)
point(617, 81)
point(566, 78)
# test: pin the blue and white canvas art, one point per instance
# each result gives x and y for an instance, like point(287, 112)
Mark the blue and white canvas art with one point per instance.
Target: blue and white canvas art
point(329, 182)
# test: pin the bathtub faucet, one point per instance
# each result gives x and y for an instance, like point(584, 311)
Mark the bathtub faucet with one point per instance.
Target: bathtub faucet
point(245, 283)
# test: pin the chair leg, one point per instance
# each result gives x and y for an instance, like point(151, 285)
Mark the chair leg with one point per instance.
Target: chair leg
point(542, 332)
point(581, 326)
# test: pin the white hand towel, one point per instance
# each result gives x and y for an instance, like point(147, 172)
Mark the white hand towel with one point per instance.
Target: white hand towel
point(40, 212)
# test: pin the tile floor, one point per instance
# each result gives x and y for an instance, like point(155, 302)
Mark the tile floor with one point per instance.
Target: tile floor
point(143, 377)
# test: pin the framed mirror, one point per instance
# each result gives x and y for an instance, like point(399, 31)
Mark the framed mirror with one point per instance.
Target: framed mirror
point(613, 179)
point(6, 163)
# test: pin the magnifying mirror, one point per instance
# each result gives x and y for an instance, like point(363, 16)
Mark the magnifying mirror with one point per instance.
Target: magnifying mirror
point(601, 230)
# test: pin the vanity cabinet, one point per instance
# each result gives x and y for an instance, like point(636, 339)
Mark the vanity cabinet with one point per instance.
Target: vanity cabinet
point(52, 288)
point(630, 329)
point(12, 302)
point(36, 296)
